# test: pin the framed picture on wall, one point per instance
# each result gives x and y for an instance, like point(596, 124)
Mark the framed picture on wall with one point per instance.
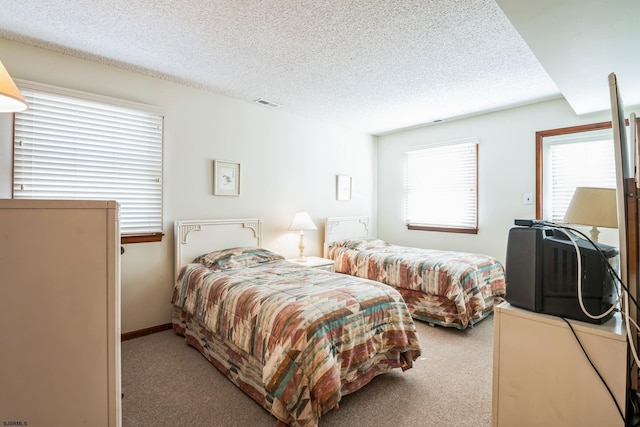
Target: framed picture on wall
point(226, 178)
point(343, 187)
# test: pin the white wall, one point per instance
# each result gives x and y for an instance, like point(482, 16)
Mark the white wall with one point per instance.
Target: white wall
point(506, 168)
point(288, 164)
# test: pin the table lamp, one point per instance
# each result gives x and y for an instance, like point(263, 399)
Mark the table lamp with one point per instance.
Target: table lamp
point(302, 221)
point(11, 99)
point(595, 207)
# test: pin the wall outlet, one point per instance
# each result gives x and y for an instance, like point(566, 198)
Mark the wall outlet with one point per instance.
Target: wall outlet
point(528, 199)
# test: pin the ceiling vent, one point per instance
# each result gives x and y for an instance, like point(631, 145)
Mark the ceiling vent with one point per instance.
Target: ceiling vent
point(266, 103)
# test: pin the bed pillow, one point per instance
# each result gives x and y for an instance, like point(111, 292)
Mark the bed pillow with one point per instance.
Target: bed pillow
point(346, 243)
point(225, 259)
point(359, 243)
point(372, 244)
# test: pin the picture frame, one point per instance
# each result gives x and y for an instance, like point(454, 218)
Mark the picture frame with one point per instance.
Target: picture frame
point(226, 178)
point(343, 187)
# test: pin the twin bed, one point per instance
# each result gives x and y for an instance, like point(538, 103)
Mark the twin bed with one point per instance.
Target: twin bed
point(453, 289)
point(296, 339)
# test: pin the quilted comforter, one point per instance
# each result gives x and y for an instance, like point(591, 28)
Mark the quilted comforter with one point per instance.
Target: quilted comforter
point(443, 287)
point(295, 338)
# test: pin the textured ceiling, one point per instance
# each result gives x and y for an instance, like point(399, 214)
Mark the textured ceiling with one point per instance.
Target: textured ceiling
point(374, 66)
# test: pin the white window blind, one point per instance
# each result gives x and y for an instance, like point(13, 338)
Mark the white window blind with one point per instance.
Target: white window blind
point(69, 147)
point(441, 185)
point(583, 159)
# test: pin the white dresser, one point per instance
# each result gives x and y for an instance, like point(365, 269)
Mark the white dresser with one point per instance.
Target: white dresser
point(542, 378)
point(60, 313)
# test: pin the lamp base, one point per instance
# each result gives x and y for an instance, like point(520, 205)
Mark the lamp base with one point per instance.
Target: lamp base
point(594, 234)
point(301, 257)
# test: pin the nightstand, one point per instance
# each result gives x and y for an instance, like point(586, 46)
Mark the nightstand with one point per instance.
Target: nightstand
point(316, 262)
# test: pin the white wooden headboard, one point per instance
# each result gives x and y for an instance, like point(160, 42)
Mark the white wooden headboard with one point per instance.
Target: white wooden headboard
point(338, 228)
point(197, 237)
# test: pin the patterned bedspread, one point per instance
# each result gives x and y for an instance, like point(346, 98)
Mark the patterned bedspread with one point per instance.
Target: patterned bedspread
point(311, 335)
point(447, 288)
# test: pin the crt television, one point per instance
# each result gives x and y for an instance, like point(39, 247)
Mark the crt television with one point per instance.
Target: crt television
point(541, 273)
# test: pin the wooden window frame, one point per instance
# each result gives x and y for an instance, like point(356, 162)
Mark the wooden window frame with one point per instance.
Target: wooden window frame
point(128, 238)
point(540, 135)
point(460, 230)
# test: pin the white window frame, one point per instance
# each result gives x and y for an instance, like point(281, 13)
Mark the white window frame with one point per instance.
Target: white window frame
point(445, 175)
point(117, 153)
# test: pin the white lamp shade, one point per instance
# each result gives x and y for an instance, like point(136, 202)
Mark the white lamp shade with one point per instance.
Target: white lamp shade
point(302, 221)
point(11, 99)
point(593, 206)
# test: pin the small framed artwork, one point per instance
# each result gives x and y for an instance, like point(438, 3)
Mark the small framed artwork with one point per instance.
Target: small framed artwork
point(343, 187)
point(226, 178)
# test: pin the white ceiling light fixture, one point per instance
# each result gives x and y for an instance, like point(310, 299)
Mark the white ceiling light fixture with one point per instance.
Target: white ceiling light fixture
point(11, 99)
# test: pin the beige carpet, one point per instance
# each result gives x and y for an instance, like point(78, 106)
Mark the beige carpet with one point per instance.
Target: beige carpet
point(167, 383)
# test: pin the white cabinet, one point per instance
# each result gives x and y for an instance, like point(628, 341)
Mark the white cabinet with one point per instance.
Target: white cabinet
point(542, 378)
point(59, 313)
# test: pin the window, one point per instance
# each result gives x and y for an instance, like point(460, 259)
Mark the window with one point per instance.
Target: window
point(72, 145)
point(572, 157)
point(582, 156)
point(441, 192)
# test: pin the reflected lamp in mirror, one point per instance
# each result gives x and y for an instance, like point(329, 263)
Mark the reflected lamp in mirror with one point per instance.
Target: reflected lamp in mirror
point(11, 99)
point(595, 207)
point(302, 221)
